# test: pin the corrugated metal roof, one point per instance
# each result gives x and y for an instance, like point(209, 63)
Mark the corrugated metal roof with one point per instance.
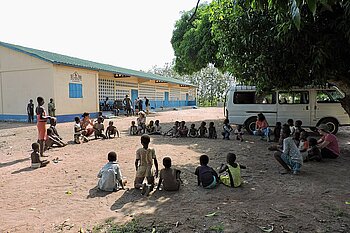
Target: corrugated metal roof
point(56, 58)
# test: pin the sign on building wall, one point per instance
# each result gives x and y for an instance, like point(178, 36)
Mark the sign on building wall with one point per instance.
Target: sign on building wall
point(75, 78)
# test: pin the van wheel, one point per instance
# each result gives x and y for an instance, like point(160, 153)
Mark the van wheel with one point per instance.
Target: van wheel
point(332, 124)
point(250, 124)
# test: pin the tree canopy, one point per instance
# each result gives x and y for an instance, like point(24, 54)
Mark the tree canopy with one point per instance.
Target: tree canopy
point(259, 43)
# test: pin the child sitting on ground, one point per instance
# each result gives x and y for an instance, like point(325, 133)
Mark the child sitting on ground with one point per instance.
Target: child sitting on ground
point(314, 153)
point(53, 140)
point(212, 131)
point(141, 123)
point(227, 129)
point(145, 157)
point(133, 129)
point(183, 130)
point(202, 130)
point(150, 127)
point(111, 130)
point(169, 177)
point(206, 176)
point(239, 133)
point(53, 123)
point(277, 131)
point(78, 132)
point(99, 128)
point(193, 132)
point(110, 175)
point(296, 138)
point(157, 128)
point(298, 128)
point(35, 157)
point(174, 130)
point(233, 169)
point(303, 145)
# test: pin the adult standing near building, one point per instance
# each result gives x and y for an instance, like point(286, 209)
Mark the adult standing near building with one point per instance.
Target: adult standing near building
point(127, 103)
point(328, 143)
point(30, 111)
point(41, 119)
point(147, 105)
point(52, 108)
point(140, 104)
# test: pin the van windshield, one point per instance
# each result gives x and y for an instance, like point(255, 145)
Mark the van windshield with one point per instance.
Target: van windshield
point(328, 96)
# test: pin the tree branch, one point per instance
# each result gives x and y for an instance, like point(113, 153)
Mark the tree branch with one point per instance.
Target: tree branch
point(195, 11)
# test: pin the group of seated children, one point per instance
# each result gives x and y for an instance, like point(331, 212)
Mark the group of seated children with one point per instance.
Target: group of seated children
point(208, 178)
point(295, 147)
point(81, 132)
point(180, 129)
point(227, 129)
point(153, 127)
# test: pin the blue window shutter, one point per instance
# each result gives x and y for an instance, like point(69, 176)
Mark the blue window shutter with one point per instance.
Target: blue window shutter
point(75, 90)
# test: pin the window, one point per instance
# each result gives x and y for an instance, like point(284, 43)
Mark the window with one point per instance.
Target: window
point(253, 98)
point(75, 90)
point(293, 97)
point(328, 96)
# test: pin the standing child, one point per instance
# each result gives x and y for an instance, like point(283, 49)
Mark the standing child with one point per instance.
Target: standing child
point(35, 157)
point(239, 133)
point(206, 176)
point(111, 130)
point(227, 129)
point(133, 129)
point(212, 131)
point(193, 132)
point(202, 130)
point(99, 128)
point(41, 123)
point(169, 177)
point(110, 175)
point(145, 157)
point(277, 131)
point(30, 111)
point(233, 169)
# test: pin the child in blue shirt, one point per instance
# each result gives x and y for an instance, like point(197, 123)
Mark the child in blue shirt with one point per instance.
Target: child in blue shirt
point(206, 176)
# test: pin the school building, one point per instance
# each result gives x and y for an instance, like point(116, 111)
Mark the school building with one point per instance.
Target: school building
point(78, 85)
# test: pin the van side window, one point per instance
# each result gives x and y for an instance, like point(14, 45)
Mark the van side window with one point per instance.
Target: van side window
point(244, 98)
point(293, 97)
point(266, 98)
point(328, 96)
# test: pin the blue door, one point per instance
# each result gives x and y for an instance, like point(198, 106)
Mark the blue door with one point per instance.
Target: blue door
point(186, 99)
point(134, 95)
point(166, 99)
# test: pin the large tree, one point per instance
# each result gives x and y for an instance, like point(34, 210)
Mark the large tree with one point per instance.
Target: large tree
point(265, 48)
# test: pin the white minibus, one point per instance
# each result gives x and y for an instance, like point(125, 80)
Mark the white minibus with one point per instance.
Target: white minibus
point(313, 106)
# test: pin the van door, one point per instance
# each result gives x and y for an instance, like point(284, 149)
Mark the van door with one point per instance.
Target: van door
point(328, 105)
point(294, 105)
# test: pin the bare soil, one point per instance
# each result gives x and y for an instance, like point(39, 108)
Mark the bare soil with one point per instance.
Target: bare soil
point(62, 197)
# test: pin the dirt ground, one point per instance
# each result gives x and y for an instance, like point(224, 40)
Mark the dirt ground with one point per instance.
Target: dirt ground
point(63, 197)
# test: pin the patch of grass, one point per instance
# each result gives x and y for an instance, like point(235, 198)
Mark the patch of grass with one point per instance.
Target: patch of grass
point(134, 226)
point(217, 228)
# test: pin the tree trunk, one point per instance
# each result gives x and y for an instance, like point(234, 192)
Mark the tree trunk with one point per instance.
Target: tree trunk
point(345, 88)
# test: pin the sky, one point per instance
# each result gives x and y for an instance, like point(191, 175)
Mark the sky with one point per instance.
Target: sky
point(132, 34)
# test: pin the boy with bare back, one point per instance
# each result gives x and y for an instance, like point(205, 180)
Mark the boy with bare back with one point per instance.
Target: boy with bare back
point(111, 130)
point(35, 157)
point(145, 157)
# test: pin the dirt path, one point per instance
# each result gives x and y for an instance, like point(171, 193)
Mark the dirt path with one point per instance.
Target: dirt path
point(37, 200)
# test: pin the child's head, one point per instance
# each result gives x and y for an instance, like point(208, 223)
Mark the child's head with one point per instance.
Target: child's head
point(99, 113)
point(211, 124)
point(110, 123)
point(112, 156)
point(290, 122)
point(86, 115)
point(49, 131)
point(298, 123)
point(286, 131)
point(31, 101)
point(145, 140)
point(167, 162)
point(51, 100)
point(204, 160)
point(192, 126)
point(176, 123)
point(231, 158)
point(203, 123)
point(226, 121)
point(156, 122)
point(151, 123)
point(297, 136)
point(53, 121)
point(278, 124)
point(35, 147)
point(239, 127)
point(132, 123)
point(40, 100)
point(100, 120)
point(303, 135)
point(183, 123)
point(77, 119)
point(312, 142)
